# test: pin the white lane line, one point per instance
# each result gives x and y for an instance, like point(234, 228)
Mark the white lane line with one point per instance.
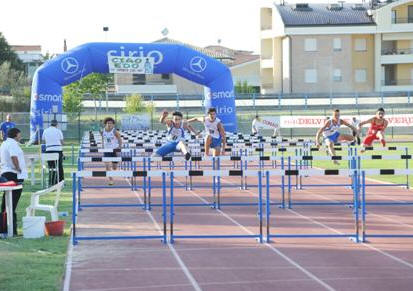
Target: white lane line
point(184, 268)
point(254, 282)
point(338, 232)
point(285, 257)
point(69, 262)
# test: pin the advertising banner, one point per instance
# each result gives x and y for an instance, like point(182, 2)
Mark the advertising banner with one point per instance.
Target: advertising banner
point(130, 65)
point(395, 120)
point(141, 121)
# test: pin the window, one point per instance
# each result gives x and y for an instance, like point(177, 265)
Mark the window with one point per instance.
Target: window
point(310, 45)
point(337, 75)
point(165, 77)
point(138, 79)
point(337, 44)
point(311, 76)
point(361, 75)
point(360, 45)
point(393, 16)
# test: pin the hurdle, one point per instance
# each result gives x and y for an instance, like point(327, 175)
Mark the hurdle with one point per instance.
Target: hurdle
point(355, 190)
point(364, 203)
point(216, 173)
point(75, 207)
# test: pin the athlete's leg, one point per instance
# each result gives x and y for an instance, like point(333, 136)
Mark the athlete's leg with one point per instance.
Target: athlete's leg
point(380, 136)
point(208, 141)
point(181, 146)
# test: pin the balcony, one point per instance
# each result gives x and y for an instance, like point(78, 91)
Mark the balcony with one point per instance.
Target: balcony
point(267, 63)
point(402, 20)
point(397, 85)
point(393, 51)
point(397, 56)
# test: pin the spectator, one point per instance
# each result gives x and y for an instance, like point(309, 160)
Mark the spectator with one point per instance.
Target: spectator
point(13, 168)
point(5, 126)
point(53, 138)
point(254, 127)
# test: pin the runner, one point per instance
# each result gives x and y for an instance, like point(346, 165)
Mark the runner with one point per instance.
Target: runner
point(378, 125)
point(111, 140)
point(215, 138)
point(331, 134)
point(176, 135)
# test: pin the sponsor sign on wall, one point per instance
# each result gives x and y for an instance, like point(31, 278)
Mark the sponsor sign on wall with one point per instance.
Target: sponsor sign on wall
point(395, 120)
point(136, 122)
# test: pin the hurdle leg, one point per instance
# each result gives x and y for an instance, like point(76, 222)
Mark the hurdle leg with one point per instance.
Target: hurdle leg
point(165, 239)
point(407, 167)
point(171, 218)
point(74, 212)
point(149, 206)
point(363, 206)
point(219, 185)
point(268, 206)
point(260, 204)
point(145, 200)
point(214, 198)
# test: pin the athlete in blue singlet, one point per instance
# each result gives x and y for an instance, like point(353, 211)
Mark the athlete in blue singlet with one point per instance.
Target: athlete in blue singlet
point(331, 135)
point(176, 135)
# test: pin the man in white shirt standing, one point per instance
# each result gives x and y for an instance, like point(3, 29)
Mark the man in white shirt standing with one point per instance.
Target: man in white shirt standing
point(53, 138)
point(254, 127)
point(13, 168)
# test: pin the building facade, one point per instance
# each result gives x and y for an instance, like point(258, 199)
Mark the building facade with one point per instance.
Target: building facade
point(30, 55)
point(337, 48)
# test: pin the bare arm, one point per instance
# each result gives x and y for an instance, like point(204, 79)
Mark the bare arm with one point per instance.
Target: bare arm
point(117, 134)
point(366, 122)
point(163, 120)
point(199, 119)
point(386, 123)
point(348, 125)
point(190, 128)
point(16, 164)
point(317, 137)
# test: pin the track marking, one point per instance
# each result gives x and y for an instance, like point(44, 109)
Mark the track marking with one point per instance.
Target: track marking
point(285, 257)
point(69, 263)
point(184, 268)
point(338, 232)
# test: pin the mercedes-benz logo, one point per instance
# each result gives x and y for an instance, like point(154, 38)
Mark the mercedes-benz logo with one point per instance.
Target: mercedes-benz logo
point(198, 64)
point(70, 65)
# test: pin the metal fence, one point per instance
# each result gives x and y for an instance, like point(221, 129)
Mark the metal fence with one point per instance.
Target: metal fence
point(92, 120)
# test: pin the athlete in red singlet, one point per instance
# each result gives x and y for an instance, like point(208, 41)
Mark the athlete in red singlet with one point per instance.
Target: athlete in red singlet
point(377, 128)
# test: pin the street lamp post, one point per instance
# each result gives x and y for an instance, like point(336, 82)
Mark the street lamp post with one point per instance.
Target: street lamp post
point(106, 29)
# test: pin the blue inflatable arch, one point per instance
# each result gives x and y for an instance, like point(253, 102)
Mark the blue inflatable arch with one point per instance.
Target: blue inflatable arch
point(168, 58)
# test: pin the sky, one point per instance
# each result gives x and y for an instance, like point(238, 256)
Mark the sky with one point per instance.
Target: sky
point(49, 22)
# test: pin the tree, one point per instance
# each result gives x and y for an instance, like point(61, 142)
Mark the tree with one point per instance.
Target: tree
point(244, 88)
point(136, 104)
point(72, 102)
point(15, 83)
point(8, 55)
point(94, 85)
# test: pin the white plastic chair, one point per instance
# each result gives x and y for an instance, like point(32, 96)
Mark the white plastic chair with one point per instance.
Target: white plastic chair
point(35, 203)
point(49, 157)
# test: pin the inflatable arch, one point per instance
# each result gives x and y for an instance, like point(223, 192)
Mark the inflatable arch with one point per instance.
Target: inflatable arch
point(167, 58)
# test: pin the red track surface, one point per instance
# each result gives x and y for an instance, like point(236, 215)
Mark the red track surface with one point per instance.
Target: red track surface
point(243, 264)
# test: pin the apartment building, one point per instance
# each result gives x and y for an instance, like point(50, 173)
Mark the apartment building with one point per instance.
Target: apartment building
point(337, 48)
